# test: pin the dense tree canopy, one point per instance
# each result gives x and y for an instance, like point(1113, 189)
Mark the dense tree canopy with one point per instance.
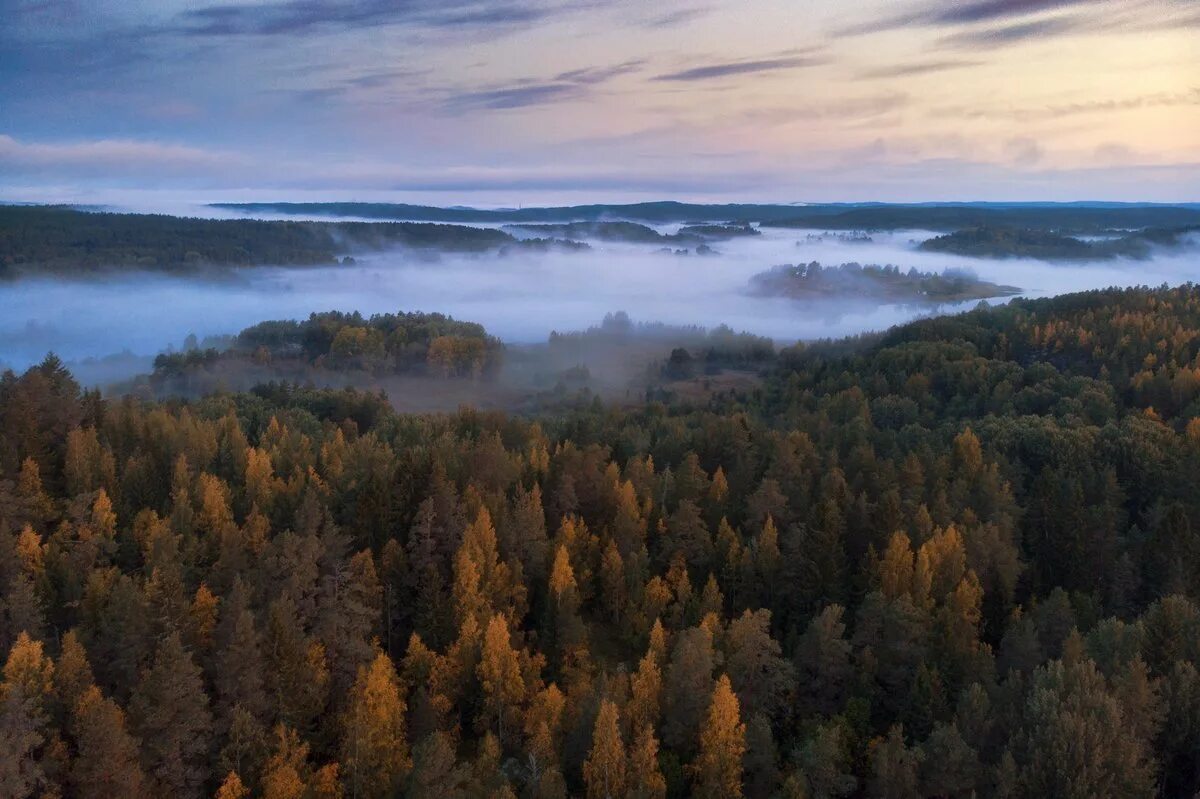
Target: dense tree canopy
point(63, 240)
point(954, 559)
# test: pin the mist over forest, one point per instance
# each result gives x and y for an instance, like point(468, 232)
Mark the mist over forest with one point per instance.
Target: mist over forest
point(520, 281)
point(709, 501)
point(582, 399)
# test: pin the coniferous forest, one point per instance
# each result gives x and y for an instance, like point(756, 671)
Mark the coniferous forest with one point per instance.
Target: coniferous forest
point(955, 559)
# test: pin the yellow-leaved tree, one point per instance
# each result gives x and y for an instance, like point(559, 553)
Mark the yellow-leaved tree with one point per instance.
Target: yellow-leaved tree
point(717, 770)
point(374, 747)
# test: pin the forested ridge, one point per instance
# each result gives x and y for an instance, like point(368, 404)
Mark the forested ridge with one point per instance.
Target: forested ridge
point(39, 239)
point(871, 282)
point(397, 343)
point(1067, 217)
point(1001, 242)
point(953, 559)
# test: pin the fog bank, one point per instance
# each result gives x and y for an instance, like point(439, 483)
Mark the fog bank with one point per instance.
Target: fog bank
point(520, 297)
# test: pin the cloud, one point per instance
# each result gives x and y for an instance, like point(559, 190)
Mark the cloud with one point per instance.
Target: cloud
point(997, 23)
point(66, 172)
point(730, 68)
point(375, 80)
point(1023, 151)
point(298, 17)
point(107, 156)
point(368, 81)
point(566, 86)
point(518, 96)
point(916, 68)
point(592, 75)
point(1058, 110)
point(1013, 34)
point(847, 108)
point(991, 10)
point(941, 14)
point(157, 165)
point(674, 18)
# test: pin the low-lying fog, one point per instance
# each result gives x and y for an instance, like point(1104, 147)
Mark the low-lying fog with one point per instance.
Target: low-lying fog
point(519, 297)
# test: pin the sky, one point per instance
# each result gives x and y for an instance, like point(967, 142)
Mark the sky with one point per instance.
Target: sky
point(513, 102)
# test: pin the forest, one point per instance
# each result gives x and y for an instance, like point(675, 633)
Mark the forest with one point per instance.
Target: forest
point(994, 242)
point(871, 282)
point(1076, 218)
point(63, 241)
point(1063, 218)
point(634, 233)
point(952, 559)
point(401, 343)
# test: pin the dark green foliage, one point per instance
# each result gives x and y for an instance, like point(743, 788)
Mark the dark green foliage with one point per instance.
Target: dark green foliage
point(1080, 217)
point(956, 558)
point(383, 344)
point(878, 283)
point(61, 240)
point(1000, 242)
point(1063, 217)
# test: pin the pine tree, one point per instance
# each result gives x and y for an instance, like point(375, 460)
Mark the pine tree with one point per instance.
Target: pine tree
point(30, 670)
point(300, 676)
point(169, 713)
point(762, 759)
point(238, 669)
point(823, 667)
point(612, 583)
point(72, 674)
point(285, 775)
point(500, 677)
point(564, 628)
point(767, 560)
point(232, 788)
point(949, 766)
point(604, 771)
point(687, 534)
point(644, 707)
point(326, 783)
point(435, 773)
point(245, 744)
point(350, 608)
point(754, 661)
point(543, 733)
point(893, 768)
point(374, 747)
point(717, 770)
point(201, 620)
point(1074, 740)
point(527, 539)
point(21, 610)
point(824, 763)
point(645, 777)
point(106, 760)
point(431, 613)
point(21, 736)
point(484, 584)
point(687, 688)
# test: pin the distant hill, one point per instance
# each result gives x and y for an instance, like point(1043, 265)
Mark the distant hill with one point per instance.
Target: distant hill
point(856, 282)
point(993, 242)
point(1065, 219)
point(63, 240)
point(421, 344)
point(634, 233)
point(630, 232)
point(1082, 217)
point(655, 212)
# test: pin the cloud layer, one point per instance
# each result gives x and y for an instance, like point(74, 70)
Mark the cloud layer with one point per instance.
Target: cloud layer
point(529, 96)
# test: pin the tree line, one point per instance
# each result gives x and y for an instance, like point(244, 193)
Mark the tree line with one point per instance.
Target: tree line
point(60, 240)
